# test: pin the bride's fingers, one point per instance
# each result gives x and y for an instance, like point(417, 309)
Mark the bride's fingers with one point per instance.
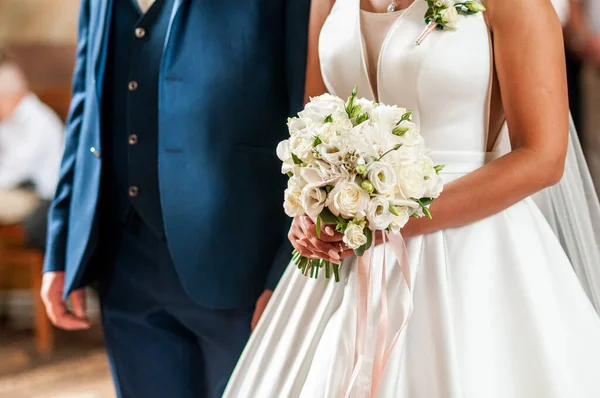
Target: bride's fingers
point(328, 233)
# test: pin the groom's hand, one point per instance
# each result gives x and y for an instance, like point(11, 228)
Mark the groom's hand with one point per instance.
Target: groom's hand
point(53, 284)
point(261, 304)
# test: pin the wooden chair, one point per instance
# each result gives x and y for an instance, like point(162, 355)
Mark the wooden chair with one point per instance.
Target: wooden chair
point(13, 252)
point(48, 68)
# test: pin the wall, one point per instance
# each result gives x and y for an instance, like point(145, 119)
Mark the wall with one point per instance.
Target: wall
point(38, 21)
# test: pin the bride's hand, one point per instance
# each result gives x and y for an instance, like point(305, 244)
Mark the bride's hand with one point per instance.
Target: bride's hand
point(329, 246)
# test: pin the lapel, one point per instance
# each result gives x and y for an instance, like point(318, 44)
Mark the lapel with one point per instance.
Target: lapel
point(176, 5)
point(100, 44)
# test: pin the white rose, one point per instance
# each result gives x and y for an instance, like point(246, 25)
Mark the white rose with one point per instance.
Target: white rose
point(378, 213)
point(298, 125)
point(354, 236)
point(388, 115)
point(296, 183)
point(312, 175)
point(398, 222)
point(301, 146)
point(327, 132)
point(450, 17)
point(411, 181)
point(313, 200)
point(343, 123)
point(322, 106)
point(283, 151)
point(383, 177)
point(348, 199)
point(434, 187)
point(293, 202)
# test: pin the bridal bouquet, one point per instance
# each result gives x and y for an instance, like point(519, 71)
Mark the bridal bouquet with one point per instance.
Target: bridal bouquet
point(356, 165)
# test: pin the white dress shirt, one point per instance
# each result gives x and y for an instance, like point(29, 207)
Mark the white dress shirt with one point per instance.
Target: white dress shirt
point(31, 147)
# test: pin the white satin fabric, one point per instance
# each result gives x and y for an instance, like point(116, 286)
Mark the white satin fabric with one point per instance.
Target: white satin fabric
point(498, 311)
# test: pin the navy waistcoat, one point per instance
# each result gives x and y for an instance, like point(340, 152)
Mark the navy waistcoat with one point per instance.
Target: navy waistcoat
point(130, 111)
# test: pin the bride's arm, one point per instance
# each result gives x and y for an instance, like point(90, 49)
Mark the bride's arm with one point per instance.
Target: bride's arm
point(530, 63)
point(319, 10)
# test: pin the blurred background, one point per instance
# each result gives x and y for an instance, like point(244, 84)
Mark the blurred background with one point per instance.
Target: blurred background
point(36, 361)
point(37, 43)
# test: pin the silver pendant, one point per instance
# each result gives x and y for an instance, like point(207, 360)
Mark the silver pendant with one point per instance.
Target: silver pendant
point(392, 6)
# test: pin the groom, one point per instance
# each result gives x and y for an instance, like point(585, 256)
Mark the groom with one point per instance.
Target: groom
point(170, 191)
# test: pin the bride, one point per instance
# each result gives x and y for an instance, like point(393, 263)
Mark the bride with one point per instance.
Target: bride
point(497, 310)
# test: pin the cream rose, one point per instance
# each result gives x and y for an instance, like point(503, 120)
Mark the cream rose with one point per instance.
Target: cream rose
point(378, 213)
point(301, 146)
point(399, 221)
point(449, 17)
point(293, 202)
point(348, 199)
point(382, 176)
point(313, 200)
point(411, 181)
point(354, 236)
point(322, 106)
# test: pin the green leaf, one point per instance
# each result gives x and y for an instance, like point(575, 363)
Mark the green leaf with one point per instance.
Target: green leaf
point(406, 117)
point(427, 213)
point(328, 119)
point(290, 174)
point(425, 201)
point(439, 168)
point(400, 131)
point(319, 226)
point(328, 217)
point(369, 235)
point(317, 141)
point(328, 188)
point(296, 159)
point(361, 118)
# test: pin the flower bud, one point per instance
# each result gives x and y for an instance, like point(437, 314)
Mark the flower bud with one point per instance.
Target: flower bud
point(361, 169)
point(367, 186)
point(394, 210)
point(474, 6)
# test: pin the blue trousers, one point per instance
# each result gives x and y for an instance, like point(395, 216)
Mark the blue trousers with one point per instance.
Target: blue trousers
point(160, 343)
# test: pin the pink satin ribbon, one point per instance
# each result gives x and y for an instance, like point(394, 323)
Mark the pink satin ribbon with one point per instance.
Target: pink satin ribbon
point(382, 354)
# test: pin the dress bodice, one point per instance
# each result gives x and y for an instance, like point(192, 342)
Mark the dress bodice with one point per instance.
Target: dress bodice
point(446, 80)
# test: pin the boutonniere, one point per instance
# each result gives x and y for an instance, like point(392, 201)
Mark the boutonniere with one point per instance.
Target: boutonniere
point(443, 14)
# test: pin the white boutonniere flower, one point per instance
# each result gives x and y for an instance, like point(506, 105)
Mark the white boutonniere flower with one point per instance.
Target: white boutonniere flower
point(443, 14)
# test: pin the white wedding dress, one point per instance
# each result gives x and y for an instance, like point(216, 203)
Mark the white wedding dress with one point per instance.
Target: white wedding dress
point(498, 311)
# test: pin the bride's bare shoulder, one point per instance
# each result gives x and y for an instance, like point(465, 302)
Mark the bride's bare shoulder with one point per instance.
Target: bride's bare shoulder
point(502, 13)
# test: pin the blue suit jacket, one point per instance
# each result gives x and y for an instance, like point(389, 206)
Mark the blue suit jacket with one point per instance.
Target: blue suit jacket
point(232, 72)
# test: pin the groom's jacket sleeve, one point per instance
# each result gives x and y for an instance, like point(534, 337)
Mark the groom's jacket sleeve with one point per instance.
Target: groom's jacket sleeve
point(58, 217)
point(296, 48)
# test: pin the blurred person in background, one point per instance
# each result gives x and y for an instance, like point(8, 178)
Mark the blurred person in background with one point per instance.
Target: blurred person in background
point(31, 145)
